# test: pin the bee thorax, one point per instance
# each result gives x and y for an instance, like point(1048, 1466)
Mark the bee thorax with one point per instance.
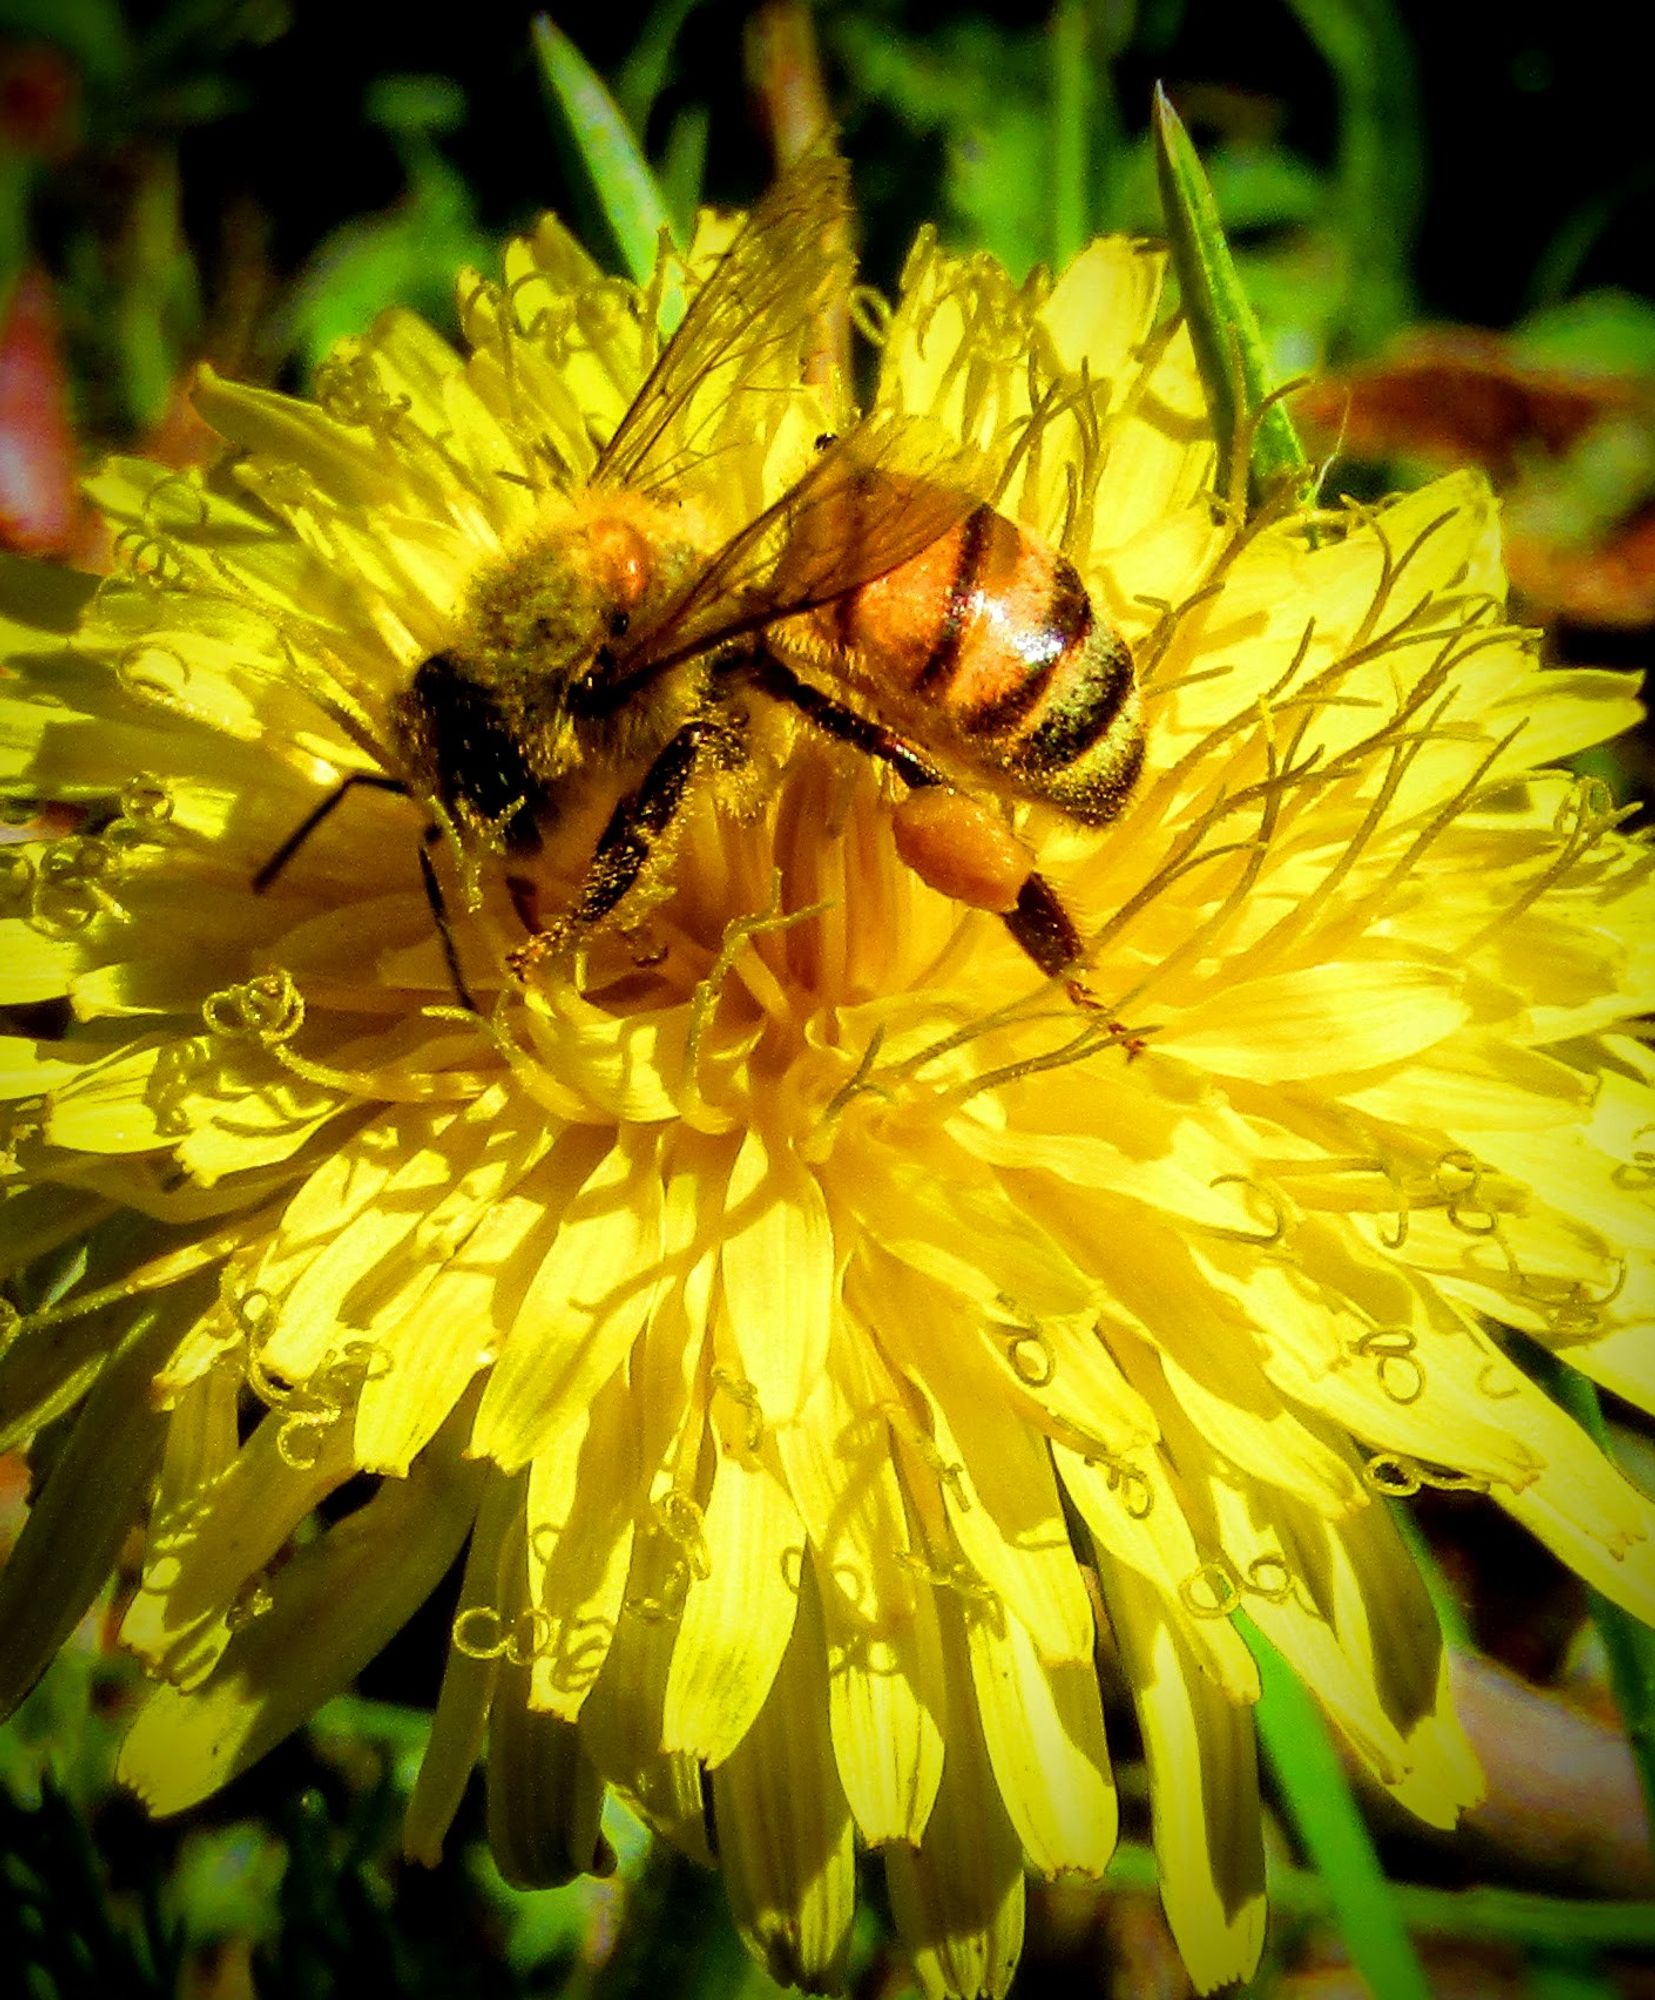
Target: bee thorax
point(529, 626)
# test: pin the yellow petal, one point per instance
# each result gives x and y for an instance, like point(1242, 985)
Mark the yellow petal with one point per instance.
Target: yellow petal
point(33, 966)
point(178, 1623)
point(620, 1726)
point(344, 462)
point(1006, 1513)
point(1479, 1083)
point(958, 1897)
point(461, 1714)
point(584, 1492)
point(739, 1615)
point(1324, 1018)
point(584, 1306)
point(784, 1827)
point(1203, 1789)
point(331, 1609)
point(880, 1621)
point(108, 1107)
point(1242, 1419)
point(1042, 1725)
point(1103, 305)
point(425, 1357)
point(28, 1068)
point(545, 1799)
point(778, 1274)
point(1133, 1510)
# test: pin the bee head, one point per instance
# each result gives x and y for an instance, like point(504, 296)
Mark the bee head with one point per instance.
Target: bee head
point(539, 619)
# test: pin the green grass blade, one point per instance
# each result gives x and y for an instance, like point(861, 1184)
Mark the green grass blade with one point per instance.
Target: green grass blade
point(684, 166)
point(648, 69)
point(1380, 174)
point(1330, 1825)
point(1503, 1916)
point(1071, 60)
point(626, 206)
point(1258, 447)
point(1456, 1627)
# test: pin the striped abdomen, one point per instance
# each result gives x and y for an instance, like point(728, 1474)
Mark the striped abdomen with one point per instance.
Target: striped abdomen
point(985, 647)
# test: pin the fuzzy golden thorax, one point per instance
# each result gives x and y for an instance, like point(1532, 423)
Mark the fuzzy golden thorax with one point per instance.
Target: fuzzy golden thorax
point(555, 612)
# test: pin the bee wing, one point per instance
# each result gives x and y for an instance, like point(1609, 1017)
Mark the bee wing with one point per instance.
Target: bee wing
point(871, 502)
point(748, 327)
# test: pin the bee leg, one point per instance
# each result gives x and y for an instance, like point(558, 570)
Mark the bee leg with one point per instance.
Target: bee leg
point(1046, 931)
point(378, 781)
point(771, 677)
point(952, 841)
point(439, 911)
point(636, 824)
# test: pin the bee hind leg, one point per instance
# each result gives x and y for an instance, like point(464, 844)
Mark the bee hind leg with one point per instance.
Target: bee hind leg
point(955, 843)
point(1046, 932)
point(962, 847)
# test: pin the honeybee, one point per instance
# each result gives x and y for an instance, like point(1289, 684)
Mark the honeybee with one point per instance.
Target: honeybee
point(601, 668)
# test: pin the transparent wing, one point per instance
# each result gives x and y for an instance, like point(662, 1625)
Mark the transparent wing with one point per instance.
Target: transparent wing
point(747, 328)
point(871, 502)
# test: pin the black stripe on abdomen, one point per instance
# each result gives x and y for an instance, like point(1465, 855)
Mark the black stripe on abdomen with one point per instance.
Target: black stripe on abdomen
point(944, 656)
point(1079, 723)
point(1065, 628)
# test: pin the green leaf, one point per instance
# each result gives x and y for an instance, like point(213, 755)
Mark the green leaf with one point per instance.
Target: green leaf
point(684, 165)
point(81, 1516)
point(405, 255)
point(1258, 448)
point(1265, 187)
point(1329, 1823)
point(1569, 1975)
point(985, 92)
point(1456, 1628)
point(226, 1883)
point(610, 170)
point(1604, 332)
point(94, 32)
point(413, 105)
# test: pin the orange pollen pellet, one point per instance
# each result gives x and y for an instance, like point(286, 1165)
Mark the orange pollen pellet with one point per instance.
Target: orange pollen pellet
point(961, 848)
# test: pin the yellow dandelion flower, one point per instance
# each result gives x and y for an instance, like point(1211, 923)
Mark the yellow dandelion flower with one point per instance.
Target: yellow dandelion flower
point(820, 1335)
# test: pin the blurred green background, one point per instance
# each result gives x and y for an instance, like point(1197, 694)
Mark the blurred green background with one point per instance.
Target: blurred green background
point(1444, 214)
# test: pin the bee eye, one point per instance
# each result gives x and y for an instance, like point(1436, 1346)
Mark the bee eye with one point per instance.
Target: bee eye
point(619, 623)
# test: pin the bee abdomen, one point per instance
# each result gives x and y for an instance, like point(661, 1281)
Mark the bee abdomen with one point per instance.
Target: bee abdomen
point(1055, 698)
point(987, 644)
point(1087, 750)
point(1020, 666)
